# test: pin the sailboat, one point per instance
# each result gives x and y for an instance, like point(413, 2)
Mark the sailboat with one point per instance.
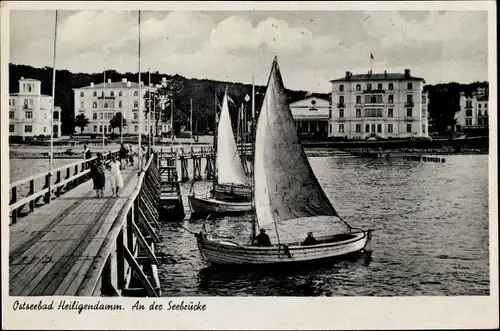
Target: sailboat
point(286, 191)
point(230, 177)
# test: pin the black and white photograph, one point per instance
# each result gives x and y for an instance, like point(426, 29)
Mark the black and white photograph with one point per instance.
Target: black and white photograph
point(157, 156)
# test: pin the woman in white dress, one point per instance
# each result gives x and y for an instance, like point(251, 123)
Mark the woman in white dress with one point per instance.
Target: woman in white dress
point(115, 178)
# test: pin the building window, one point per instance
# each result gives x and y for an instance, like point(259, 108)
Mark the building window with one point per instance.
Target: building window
point(11, 128)
point(409, 97)
point(94, 94)
point(112, 94)
point(485, 105)
point(391, 98)
point(29, 87)
point(11, 114)
point(373, 99)
point(391, 86)
point(95, 128)
point(136, 93)
point(341, 99)
point(101, 116)
point(358, 112)
point(136, 128)
point(28, 114)
point(367, 127)
point(31, 102)
point(390, 112)
point(28, 128)
point(82, 94)
point(485, 113)
point(424, 99)
point(410, 86)
point(370, 112)
point(330, 128)
point(379, 86)
point(408, 128)
point(341, 113)
point(468, 112)
point(409, 112)
point(82, 104)
point(373, 127)
point(379, 128)
point(136, 116)
point(120, 93)
point(423, 128)
point(468, 121)
point(105, 105)
point(94, 104)
point(341, 128)
point(358, 128)
point(479, 113)
point(358, 87)
point(26, 103)
point(13, 102)
point(389, 128)
point(479, 105)
point(119, 104)
point(94, 116)
point(358, 98)
point(341, 88)
point(136, 103)
point(369, 87)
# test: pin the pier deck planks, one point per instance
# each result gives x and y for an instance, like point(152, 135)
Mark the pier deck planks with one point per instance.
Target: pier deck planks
point(53, 249)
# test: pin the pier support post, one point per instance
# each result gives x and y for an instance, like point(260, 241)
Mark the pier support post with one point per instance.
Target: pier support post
point(184, 170)
point(209, 169)
point(196, 168)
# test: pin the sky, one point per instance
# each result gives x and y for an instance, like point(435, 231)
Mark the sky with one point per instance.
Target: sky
point(313, 47)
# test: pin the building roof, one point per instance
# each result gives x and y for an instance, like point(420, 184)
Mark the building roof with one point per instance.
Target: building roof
point(113, 85)
point(30, 79)
point(382, 76)
point(29, 95)
point(311, 97)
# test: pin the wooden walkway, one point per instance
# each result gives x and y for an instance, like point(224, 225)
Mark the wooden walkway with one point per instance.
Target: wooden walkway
point(56, 250)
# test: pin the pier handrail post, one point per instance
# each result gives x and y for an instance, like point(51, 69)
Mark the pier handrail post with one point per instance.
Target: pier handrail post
point(13, 200)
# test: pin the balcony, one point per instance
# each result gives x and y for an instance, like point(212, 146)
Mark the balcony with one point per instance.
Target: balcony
point(340, 105)
point(409, 104)
point(341, 119)
point(105, 98)
point(377, 91)
point(409, 118)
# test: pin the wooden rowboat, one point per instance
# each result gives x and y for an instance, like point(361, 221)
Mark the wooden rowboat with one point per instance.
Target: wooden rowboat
point(232, 192)
point(206, 206)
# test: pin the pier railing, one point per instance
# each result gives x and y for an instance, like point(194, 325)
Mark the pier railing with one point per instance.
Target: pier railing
point(30, 191)
point(127, 263)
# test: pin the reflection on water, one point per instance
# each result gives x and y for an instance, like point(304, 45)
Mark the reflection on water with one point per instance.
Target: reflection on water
point(431, 238)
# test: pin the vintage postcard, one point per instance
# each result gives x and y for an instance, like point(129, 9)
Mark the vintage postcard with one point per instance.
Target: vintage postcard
point(249, 165)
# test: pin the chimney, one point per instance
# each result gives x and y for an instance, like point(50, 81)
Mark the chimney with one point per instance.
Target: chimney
point(91, 84)
point(385, 73)
point(129, 84)
point(347, 74)
point(109, 80)
point(124, 80)
point(407, 72)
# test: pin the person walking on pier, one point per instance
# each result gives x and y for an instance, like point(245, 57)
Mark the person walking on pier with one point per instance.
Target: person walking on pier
point(123, 156)
point(98, 176)
point(115, 178)
point(86, 153)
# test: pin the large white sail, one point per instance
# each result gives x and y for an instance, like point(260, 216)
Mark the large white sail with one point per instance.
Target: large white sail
point(229, 167)
point(285, 185)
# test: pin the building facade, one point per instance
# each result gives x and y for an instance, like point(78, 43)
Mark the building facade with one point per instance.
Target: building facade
point(473, 114)
point(30, 111)
point(101, 102)
point(386, 105)
point(311, 116)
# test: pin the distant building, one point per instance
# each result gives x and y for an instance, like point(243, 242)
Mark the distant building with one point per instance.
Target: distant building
point(311, 116)
point(379, 105)
point(100, 102)
point(29, 111)
point(473, 114)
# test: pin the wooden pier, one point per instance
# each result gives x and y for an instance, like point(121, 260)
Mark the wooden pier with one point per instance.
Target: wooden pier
point(76, 244)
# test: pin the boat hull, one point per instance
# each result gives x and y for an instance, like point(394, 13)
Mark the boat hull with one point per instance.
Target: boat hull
point(226, 253)
point(232, 192)
point(205, 206)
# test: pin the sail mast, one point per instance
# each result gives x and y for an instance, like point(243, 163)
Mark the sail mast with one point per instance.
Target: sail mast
point(140, 94)
point(254, 221)
point(214, 177)
point(103, 115)
point(51, 154)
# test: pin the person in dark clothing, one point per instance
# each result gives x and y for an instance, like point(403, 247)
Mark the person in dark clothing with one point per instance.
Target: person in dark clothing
point(123, 156)
point(98, 176)
point(262, 239)
point(310, 240)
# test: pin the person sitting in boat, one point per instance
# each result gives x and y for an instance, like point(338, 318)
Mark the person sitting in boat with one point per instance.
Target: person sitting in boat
point(310, 240)
point(262, 239)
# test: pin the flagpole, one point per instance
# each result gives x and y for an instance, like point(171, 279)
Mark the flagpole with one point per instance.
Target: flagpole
point(149, 109)
point(51, 154)
point(154, 114)
point(103, 115)
point(254, 221)
point(140, 92)
point(172, 122)
point(191, 119)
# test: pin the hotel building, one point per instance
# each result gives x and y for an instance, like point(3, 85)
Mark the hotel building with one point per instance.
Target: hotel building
point(311, 116)
point(378, 105)
point(473, 114)
point(100, 102)
point(29, 111)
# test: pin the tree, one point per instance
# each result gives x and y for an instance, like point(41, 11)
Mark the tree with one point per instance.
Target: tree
point(81, 121)
point(115, 122)
point(162, 100)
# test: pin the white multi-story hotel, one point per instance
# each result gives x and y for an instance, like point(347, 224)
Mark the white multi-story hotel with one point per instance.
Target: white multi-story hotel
point(29, 111)
point(100, 102)
point(473, 112)
point(311, 116)
point(378, 105)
